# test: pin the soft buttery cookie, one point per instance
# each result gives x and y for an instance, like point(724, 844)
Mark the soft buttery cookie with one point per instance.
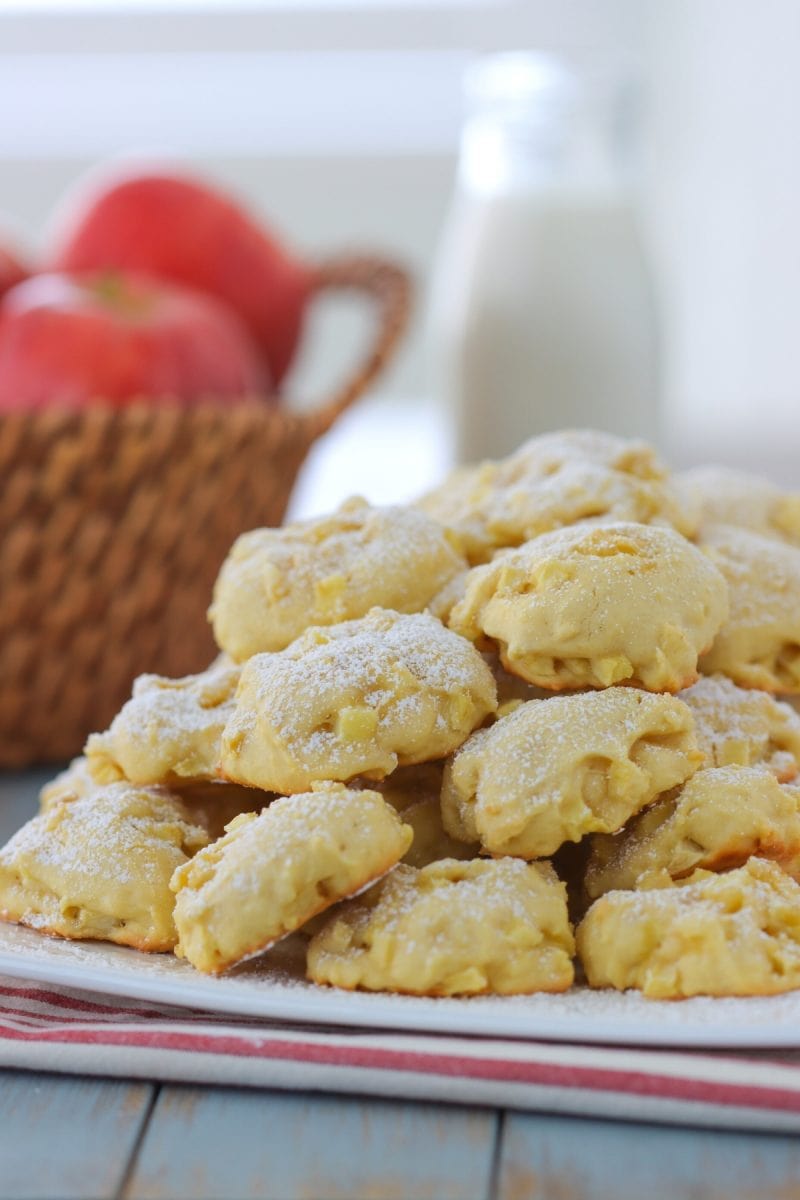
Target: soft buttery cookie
point(168, 731)
point(99, 865)
point(596, 605)
point(741, 727)
point(759, 643)
point(271, 873)
point(552, 481)
point(358, 698)
point(717, 821)
point(724, 496)
point(555, 770)
point(736, 934)
point(792, 865)
point(452, 928)
point(211, 804)
point(277, 582)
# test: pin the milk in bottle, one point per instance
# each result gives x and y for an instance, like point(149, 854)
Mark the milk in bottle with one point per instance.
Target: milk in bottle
point(541, 310)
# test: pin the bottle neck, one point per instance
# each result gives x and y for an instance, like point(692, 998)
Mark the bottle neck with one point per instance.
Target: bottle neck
point(502, 155)
point(498, 156)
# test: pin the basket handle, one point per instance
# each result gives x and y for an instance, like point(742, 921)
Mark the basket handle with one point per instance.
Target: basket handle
point(389, 287)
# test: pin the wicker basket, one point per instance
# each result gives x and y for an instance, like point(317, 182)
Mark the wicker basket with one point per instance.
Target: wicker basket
point(113, 525)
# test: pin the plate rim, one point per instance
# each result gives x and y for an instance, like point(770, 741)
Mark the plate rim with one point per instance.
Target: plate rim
point(488, 1017)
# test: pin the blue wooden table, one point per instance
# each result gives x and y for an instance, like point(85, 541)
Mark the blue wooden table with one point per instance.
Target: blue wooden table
point(64, 1137)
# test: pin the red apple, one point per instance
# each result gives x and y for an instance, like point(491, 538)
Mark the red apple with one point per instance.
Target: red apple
point(119, 337)
point(11, 269)
point(181, 229)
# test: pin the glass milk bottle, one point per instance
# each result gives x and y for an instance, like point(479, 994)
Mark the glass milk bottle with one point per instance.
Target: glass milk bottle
point(541, 310)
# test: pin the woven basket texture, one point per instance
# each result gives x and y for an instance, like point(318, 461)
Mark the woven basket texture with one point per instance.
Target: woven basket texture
point(114, 523)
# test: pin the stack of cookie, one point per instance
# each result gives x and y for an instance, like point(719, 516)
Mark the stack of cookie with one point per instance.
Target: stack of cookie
point(436, 737)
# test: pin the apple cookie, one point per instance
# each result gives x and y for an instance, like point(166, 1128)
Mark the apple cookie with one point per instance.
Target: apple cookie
point(168, 731)
point(360, 698)
point(277, 582)
point(759, 643)
point(736, 934)
point(273, 872)
point(742, 727)
point(726, 497)
point(720, 818)
point(553, 481)
point(596, 605)
point(451, 928)
point(99, 865)
point(554, 770)
point(209, 803)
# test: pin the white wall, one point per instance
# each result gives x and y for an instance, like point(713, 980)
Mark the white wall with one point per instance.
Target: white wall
point(724, 198)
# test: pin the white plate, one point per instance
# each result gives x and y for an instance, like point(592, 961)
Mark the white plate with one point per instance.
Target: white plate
point(273, 987)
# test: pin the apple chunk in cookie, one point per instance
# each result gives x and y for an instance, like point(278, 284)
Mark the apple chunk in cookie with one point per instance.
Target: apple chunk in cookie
point(273, 872)
point(360, 698)
point(451, 928)
point(596, 605)
point(98, 866)
point(276, 582)
point(555, 770)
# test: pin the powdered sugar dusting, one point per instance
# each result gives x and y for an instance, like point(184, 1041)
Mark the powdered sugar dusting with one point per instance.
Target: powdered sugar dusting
point(120, 830)
point(739, 726)
point(384, 660)
point(553, 481)
point(277, 582)
point(169, 727)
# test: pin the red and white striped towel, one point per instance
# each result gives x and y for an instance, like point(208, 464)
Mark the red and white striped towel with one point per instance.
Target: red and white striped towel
point(47, 1028)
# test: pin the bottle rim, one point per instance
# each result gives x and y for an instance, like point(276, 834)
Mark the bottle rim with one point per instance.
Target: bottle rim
point(521, 83)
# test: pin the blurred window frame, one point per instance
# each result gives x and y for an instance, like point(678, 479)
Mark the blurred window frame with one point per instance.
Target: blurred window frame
point(254, 77)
